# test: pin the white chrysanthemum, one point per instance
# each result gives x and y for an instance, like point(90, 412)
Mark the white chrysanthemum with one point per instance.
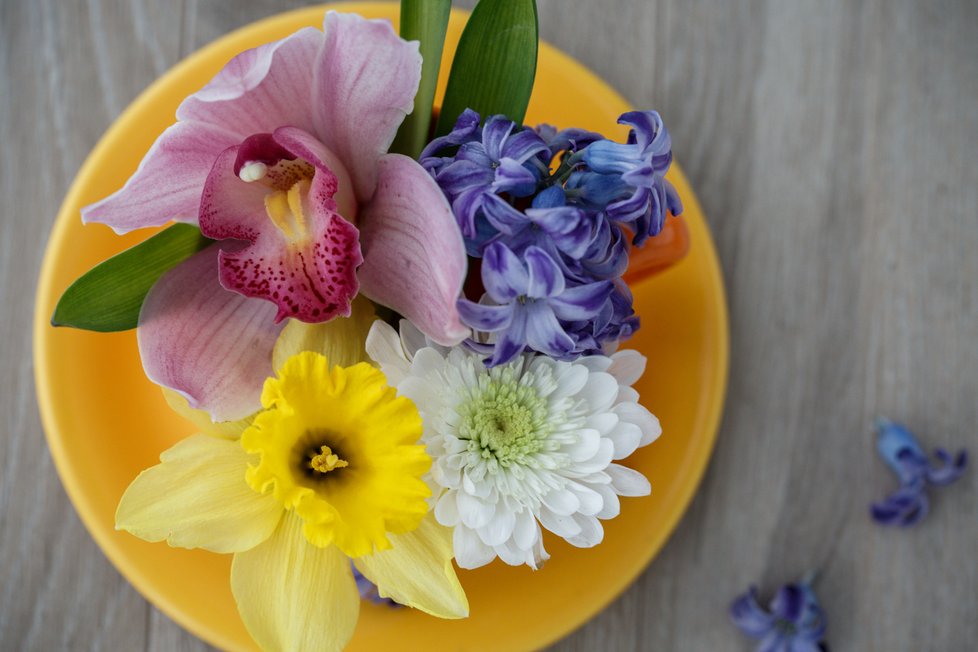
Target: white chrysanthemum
point(521, 445)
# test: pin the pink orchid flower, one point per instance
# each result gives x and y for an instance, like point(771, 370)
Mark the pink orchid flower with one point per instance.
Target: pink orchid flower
point(282, 159)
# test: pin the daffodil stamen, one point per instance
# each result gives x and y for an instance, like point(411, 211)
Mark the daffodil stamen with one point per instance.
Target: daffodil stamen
point(326, 460)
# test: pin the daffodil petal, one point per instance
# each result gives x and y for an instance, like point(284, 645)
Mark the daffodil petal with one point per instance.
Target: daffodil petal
point(342, 341)
point(417, 571)
point(197, 497)
point(202, 420)
point(293, 596)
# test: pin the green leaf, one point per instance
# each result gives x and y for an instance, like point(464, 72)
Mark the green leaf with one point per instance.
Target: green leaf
point(495, 63)
point(108, 297)
point(425, 21)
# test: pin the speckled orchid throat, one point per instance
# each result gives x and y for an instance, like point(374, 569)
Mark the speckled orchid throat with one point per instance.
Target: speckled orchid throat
point(288, 196)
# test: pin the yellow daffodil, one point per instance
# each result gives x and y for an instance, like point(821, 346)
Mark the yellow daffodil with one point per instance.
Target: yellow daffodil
point(329, 471)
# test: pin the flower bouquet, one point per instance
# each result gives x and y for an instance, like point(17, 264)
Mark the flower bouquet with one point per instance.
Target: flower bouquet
point(400, 331)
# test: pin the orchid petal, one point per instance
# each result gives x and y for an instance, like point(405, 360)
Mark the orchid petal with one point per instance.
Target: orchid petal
point(168, 182)
point(261, 89)
point(364, 84)
point(307, 269)
point(197, 497)
point(417, 571)
point(212, 346)
point(414, 255)
point(293, 595)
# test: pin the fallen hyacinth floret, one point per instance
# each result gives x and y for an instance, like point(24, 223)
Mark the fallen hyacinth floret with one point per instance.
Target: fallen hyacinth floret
point(793, 621)
point(529, 443)
point(909, 504)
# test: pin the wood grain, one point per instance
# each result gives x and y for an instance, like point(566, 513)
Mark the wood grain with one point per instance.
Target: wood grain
point(834, 146)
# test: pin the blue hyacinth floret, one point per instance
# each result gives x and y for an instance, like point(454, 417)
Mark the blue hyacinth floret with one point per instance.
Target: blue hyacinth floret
point(549, 215)
point(909, 504)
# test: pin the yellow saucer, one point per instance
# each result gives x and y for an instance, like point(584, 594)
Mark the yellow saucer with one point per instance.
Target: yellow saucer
point(105, 422)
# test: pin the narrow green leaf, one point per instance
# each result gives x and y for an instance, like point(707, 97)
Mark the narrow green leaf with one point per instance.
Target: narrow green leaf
point(108, 297)
point(425, 21)
point(495, 63)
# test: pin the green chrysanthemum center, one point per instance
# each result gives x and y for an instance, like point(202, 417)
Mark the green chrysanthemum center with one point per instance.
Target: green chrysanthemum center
point(504, 420)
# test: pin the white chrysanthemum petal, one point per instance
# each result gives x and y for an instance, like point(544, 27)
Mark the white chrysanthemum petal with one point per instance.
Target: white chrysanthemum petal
point(628, 482)
point(600, 392)
point(647, 422)
point(626, 438)
point(470, 552)
point(383, 344)
point(595, 363)
point(601, 459)
point(412, 339)
point(591, 532)
point(562, 502)
point(587, 445)
point(446, 509)
point(611, 506)
point(603, 422)
point(570, 380)
point(499, 529)
point(474, 512)
point(562, 525)
point(525, 530)
point(627, 366)
point(590, 500)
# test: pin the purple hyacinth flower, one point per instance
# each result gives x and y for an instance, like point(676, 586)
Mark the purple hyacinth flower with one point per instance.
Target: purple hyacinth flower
point(499, 159)
point(368, 590)
point(527, 302)
point(548, 223)
point(641, 164)
point(793, 621)
point(909, 504)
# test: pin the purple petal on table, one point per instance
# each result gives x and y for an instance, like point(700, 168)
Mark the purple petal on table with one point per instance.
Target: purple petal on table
point(950, 469)
point(545, 278)
point(364, 84)
point(413, 254)
point(748, 615)
point(167, 185)
point(212, 346)
point(503, 274)
point(788, 603)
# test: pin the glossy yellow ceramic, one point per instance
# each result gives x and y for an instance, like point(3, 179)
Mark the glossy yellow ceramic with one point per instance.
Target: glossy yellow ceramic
point(105, 422)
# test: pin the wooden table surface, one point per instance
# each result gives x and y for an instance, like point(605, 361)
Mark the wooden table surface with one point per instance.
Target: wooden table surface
point(834, 147)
